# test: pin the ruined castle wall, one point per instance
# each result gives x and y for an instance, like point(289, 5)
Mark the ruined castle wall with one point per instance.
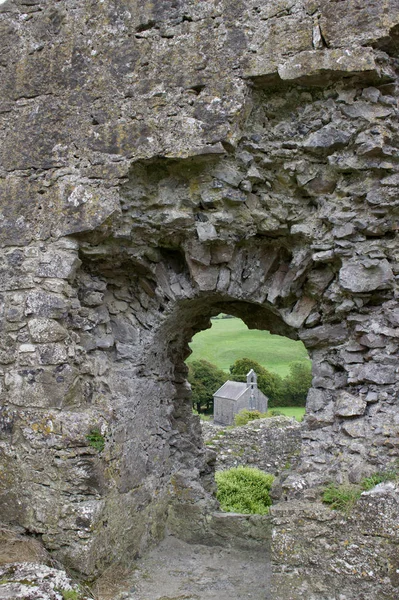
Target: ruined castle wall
point(161, 162)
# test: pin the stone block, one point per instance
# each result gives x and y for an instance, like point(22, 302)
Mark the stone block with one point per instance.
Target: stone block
point(46, 330)
point(321, 418)
point(355, 428)
point(327, 139)
point(349, 405)
point(61, 265)
point(324, 335)
point(44, 387)
point(123, 331)
point(222, 253)
point(373, 372)
point(297, 36)
point(206, 232)
point(365, 275)
point(298, 315)
point(205, 278)
point(28, 578)
point(42, 304)
point(364, 23)
point(52, 353)
point(371, 340)
point(364, 110)
point(318, 67)
point(317, 399)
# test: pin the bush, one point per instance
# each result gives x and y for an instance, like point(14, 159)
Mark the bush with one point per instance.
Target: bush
point(274, 412)
point(245, 416)
point(71, 595)
point(244, 490)
point(296, 385)
point(204, 379)
point(268, 383)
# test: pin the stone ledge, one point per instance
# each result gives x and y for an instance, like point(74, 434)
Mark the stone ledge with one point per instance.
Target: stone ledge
point(320, 67)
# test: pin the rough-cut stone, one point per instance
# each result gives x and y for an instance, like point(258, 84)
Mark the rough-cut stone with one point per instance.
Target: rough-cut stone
point(271, 444)
point(319, 67)
point(366, 275)
point(45, 305)
point(46, 330)
point(161, 163)
point(355, 429)
point(30, 581)
point(348, 405)
point(375, 373)
point(328, 139)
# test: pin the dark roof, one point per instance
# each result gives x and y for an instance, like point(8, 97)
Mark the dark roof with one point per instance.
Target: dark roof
point(231, 389)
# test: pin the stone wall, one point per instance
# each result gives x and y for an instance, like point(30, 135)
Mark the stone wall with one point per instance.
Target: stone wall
point(161, 162)
point(271, 444)
point(323, 554)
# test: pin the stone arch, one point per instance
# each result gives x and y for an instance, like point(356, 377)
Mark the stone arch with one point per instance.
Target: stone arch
point(129, 317)
point(145, 312)
point(259, 176)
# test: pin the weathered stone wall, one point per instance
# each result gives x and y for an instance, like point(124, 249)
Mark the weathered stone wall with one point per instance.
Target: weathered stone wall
point(161, 162)
point(324, 554)
point(271, 444)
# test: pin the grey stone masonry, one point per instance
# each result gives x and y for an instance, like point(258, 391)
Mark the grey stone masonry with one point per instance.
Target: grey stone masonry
point(162, 162)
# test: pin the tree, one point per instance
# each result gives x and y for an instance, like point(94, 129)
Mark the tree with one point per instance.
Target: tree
point(269, 383)
point(204, 378)
point(297, 384)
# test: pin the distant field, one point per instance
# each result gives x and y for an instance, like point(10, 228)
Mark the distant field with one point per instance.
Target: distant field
point(230, 339)
point(292, 411)
point(298, 412)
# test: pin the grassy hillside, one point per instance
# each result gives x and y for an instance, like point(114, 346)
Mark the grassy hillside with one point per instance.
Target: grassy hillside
point(230, 339)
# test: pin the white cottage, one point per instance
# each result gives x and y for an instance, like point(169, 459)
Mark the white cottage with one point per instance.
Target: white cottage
point(234, 396)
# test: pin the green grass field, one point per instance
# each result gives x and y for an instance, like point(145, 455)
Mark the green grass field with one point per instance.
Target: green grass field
point(230, 339)
point(297, 412)
point(292, 411)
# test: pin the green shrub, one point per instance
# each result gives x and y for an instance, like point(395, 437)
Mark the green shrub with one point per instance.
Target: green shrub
point(269, 383)
point(96, 439)
point(245, 416)
point(274, 412)
point(204, 379)
point(206, 418)
point(244, 490)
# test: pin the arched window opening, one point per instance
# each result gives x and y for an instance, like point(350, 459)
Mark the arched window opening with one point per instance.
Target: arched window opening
point(233, 368)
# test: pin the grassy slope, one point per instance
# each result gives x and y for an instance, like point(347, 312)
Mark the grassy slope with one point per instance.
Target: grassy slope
point(230, 339)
